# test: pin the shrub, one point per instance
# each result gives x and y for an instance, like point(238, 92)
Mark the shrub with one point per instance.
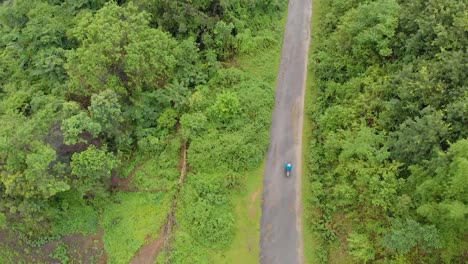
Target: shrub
point(61, 253)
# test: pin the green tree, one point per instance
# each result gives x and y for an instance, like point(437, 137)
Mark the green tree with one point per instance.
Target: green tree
point(389, 127)
point(105, 110)
point(119, 51)
point(92, 167)
point(405, 235)
point(360, 247)
point(441, 192)
point(364, 164)
point(420, 138)
point(35, 181)
point(193, 125)
point(74, 126)
point(226, 107)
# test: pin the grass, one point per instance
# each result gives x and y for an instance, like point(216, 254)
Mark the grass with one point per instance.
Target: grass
point(312, 242)
point(245, 247)
point(78, 217)
point(130, 221)
point(265, 64)
point(129, 165)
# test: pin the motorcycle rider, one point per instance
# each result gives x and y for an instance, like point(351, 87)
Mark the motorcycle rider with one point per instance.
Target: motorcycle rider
point(288, 166)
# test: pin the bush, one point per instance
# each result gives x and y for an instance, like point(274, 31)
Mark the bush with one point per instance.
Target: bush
point(61, 253)
point(185, 250)
point(211, 226)
point(206, 210)
point(232, 151)
point(193, 125)
point(73, 215)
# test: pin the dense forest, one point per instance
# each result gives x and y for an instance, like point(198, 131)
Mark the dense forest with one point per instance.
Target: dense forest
point(118, 116)
point(95, 92)
point(388, 154)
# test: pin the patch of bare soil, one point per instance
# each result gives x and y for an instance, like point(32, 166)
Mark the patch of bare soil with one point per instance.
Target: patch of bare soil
point(253, 211)
point(148, 253)
point(81, 248)
point(86, 248)
point(255, 195)
point(120, 184)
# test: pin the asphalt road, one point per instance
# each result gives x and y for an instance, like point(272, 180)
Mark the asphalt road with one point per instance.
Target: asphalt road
point(281, 225)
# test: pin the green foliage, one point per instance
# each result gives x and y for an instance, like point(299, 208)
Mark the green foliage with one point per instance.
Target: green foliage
point(193, 125)
point(362, 164)
point(404, 236)
point(119, 51)
point(8, 255)
point(417, 139)
point(150, 144)
point(168, 119)
point(215, 24)
point(216, 150)
point(233, 142)
point(223, 40)
point(186, 251)
point(129, 220)
point(205, 213)
point(91, 167)
point(75, 125)
point(234, 151)
point(389, 127)
point(442, 193)
point(74, 215)
point(34, 181)
point(437, 27)
point(161, 171)
point(360, 247)
point(3, 220)
point(226, 107)
point(368, 29)
point(61, 253)
point(360, 37)
point(105, 110)
point(86, 83)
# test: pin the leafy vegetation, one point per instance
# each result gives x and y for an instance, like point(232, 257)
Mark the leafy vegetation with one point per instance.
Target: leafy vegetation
point(387, 157)
point(97, 99)
point(130, 221)
point(245, 247)
point(61, 253)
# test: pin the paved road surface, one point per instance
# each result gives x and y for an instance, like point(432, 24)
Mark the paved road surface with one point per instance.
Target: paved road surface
point(281, 224)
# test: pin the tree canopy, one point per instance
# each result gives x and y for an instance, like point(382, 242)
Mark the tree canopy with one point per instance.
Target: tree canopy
point(389, 130)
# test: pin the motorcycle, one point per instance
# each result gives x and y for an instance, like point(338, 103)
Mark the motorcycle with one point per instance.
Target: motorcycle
point(288, 167)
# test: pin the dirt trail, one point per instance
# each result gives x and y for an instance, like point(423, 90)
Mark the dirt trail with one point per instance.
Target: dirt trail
point(149, 252)
point(281, 225)
point(120, 184)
